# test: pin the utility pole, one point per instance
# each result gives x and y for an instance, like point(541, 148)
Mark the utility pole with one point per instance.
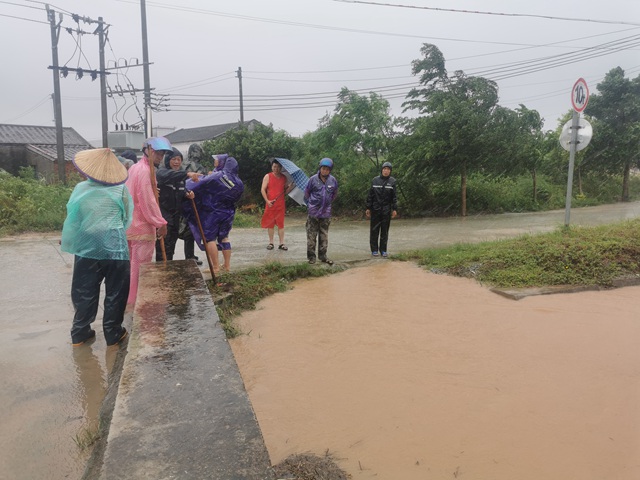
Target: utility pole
point(57, 104)
point(103, 84)
point(239, 72)
point(145, 66)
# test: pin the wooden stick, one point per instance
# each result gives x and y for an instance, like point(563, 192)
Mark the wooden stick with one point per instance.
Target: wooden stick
point(154, 186)
point(204, 240)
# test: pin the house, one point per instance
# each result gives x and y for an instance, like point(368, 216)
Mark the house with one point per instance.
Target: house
point(36, 146)
point(182, 139)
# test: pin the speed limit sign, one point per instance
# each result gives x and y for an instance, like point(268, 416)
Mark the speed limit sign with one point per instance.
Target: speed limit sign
point(580, 95)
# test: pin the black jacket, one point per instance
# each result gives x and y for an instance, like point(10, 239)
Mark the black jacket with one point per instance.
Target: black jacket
point(382, 196)
point(171, 186)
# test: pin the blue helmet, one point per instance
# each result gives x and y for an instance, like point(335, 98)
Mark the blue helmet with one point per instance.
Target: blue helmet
point(158, 144)
point(326, 162)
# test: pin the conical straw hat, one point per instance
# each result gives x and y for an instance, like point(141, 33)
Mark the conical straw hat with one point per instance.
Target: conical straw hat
point(101, 165)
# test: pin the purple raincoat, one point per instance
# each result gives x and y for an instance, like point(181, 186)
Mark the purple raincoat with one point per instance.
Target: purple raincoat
point(215, 198)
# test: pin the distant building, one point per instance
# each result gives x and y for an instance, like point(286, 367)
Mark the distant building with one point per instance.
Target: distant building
point(36, 146)
point(131, 137)
point(182, 139)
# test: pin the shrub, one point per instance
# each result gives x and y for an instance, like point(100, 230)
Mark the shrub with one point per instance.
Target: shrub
point(30, 205)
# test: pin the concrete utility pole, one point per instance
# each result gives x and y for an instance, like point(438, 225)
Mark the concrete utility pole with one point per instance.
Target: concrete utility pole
point(103, 84)
point(575, 126)
point(239, 72)
point(145, 66)
point(57, 104)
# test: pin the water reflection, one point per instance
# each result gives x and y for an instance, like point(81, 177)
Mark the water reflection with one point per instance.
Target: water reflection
point(91, 382)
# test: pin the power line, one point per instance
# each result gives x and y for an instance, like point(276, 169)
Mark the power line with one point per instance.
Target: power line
point(201, 83)
point(327, 81)
point(293, 96)
point(477, 12)
point(27, 112)
point(552, 62)
point(505, 71)
point(58, 9)
point(558, 44)
point(19, 5)
point(320, 27)
point(580, 52)
point(23, 18)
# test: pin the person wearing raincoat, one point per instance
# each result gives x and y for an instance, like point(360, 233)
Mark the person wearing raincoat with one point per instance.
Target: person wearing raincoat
point(216, 195)
point(382, 206)
point(193, 163)
point(171, 186)
point(148, 223)
point(319, 194)
point(99, 212)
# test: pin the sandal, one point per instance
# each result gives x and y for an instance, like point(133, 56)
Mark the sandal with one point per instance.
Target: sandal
point(270, 246)
point(327, 261)
point(283, 247)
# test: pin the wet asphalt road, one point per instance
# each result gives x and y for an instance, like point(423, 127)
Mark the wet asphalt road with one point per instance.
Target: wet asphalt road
point(49, 393)
point(349, 240)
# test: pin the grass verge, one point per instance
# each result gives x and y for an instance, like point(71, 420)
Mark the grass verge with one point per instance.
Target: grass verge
point(244, 289)
point(567, 256)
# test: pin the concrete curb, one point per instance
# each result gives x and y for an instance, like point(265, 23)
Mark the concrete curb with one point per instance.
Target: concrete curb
point(182, 410)
point(519, 293)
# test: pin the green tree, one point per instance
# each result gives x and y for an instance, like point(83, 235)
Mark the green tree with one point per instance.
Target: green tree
point(453, 134)
point(364, 124)
point(616, 111)
point(356, 136)
point(526, 143)
point(253, 148)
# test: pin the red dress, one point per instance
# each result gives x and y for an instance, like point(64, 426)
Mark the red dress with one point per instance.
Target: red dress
point(274, 215)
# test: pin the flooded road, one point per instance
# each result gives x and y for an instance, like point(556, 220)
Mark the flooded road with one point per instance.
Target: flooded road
point(403, 374)
point(50, 394)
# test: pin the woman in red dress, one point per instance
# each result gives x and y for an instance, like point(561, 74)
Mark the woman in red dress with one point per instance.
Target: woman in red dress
point(274, 188)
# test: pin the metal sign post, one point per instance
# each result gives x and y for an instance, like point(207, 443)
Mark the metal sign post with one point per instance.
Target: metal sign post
point(579, 100)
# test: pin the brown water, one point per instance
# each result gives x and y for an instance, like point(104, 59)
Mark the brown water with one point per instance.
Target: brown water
point(403, 374)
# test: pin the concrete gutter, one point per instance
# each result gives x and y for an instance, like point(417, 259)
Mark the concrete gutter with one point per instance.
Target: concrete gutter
point(181, 411)
point(519, 293)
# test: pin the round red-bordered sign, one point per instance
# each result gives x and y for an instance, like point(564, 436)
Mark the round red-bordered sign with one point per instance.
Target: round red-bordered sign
point(580, 95)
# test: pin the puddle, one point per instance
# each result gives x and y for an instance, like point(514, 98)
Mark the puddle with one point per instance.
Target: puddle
point(400, 373)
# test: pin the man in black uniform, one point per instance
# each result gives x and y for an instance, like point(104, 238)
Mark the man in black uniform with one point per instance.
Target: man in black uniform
point(382, 206)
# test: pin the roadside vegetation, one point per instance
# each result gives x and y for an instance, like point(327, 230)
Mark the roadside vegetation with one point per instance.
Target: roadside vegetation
point(568, 256)
point(30, 205)
point(241, 291)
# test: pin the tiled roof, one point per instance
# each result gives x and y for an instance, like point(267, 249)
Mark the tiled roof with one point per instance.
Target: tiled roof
point(51, 151)
point(38, 135)
point(200, 134)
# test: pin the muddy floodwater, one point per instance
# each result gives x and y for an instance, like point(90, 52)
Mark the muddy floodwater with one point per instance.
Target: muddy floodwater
point(404, 374)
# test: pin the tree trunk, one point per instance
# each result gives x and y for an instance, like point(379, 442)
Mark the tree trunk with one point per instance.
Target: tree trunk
point(534, 178)
point(463, 189)
point(625, 181)
point(580, 181)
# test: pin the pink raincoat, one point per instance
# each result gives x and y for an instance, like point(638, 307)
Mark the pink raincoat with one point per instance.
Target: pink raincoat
point(141, 235)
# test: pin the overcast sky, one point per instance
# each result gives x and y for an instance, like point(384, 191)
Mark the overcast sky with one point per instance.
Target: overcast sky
point(299, 53)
